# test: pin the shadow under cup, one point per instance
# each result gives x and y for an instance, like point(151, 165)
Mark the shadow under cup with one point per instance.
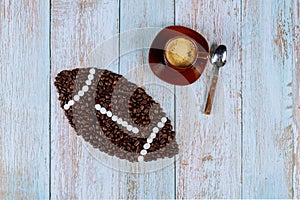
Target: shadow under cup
point(178, 55)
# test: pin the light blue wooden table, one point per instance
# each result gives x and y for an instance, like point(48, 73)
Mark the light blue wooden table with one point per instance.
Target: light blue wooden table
point(248, 148)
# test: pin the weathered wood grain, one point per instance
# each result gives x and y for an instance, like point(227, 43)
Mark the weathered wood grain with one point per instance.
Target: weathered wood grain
point(268, 64)
point(24, 99)
point(135, 39)
point(209, 164)
point(296, 96)
point(77, 28)
point(249, 147)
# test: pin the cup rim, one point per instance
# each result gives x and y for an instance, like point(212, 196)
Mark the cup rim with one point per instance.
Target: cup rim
point(178, 67)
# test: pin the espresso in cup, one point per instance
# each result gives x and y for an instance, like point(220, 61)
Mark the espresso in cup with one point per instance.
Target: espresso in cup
point(180, 52)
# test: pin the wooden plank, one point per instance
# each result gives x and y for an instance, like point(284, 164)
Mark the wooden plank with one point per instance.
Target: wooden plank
point(209, 164)
point(77, 28)
point(296, 90)
point(134, 44)
point(268, 97)
point(24, 99)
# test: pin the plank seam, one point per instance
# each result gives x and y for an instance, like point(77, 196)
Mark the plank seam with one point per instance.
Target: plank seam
point(293, 78)
point(119, 36)
point(175, 110)
point(241, 93)
point(50, 75)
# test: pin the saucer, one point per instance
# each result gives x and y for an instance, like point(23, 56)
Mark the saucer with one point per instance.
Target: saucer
point(165, 72)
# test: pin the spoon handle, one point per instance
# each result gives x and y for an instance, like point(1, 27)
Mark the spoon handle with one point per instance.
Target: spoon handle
point(211, 95)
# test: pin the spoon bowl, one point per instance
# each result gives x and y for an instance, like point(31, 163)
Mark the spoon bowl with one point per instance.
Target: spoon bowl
point(218, 59)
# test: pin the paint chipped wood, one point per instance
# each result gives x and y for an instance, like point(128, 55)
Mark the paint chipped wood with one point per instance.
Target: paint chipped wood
point(248, 148)
point(133, 65)
point(268, 89)
point(211, 144)
point(77, 28)
point(24, 100)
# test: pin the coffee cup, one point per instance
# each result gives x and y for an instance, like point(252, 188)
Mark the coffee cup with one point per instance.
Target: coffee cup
point(178, 55)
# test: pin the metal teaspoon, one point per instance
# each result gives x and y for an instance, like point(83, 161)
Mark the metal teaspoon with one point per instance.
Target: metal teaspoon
point(218, 59)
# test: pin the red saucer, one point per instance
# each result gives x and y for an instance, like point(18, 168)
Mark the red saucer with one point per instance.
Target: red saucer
point(167, 73)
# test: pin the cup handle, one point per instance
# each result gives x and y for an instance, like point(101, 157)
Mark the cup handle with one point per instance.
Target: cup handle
point(211, 95)
point(202, 55)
